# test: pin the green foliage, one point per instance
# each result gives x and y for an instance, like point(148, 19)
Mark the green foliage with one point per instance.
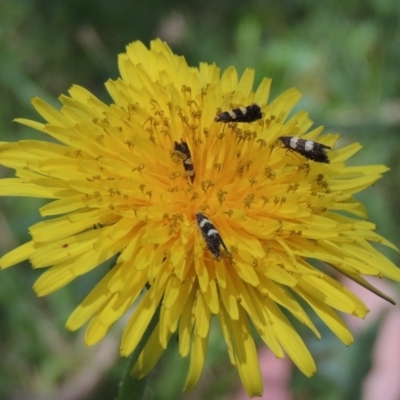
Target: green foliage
point(342, 55)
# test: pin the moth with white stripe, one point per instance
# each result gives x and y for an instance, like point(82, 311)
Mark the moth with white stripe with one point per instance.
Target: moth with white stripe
point(250, 113)
point(211, 236)
point(186, 158)
point(308, 148)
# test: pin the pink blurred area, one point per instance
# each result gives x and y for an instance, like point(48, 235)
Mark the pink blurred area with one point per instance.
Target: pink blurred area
point(382, 381)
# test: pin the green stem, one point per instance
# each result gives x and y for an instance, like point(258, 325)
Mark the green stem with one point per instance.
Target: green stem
point(131, 388)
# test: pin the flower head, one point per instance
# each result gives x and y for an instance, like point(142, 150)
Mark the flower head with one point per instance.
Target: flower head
point(208, 216)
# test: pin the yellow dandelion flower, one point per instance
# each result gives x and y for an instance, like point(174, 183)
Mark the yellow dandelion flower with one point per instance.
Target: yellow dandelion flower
point(211, 212)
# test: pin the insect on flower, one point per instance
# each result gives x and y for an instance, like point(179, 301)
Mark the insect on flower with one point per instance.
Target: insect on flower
point(211, 236)
point(186, 159)
point(311, 150)
point(250, 113)
point(113, 195)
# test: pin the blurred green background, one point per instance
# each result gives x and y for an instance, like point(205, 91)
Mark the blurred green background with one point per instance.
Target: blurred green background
point(344, 56)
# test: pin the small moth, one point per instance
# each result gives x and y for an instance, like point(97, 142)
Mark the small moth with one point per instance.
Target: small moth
point(250, 113)
point(211, 236)
point(187, 160)
point(311, 150)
